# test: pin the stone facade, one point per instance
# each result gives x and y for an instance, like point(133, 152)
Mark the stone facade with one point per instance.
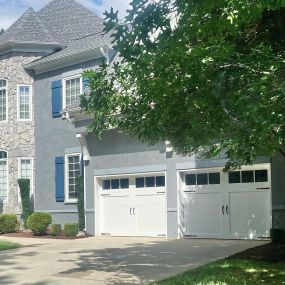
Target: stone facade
point(16, 137)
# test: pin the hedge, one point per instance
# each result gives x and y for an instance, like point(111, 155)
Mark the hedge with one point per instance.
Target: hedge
point(8, 223)
point(39, 222)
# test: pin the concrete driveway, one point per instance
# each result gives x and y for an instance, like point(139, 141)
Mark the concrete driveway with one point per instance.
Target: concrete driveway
point(106, 260)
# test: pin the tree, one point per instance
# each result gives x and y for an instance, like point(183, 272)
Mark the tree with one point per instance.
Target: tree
point(208, 76)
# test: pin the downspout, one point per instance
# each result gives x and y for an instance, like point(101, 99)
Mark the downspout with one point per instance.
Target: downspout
point(105, 54)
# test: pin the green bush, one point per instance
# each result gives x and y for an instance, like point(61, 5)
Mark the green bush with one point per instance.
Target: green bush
point(80, 202)
point(277, 235)
point(8, 223)
point(71, 229)
point(24, 185)
point(38, 223)
point(55, 230)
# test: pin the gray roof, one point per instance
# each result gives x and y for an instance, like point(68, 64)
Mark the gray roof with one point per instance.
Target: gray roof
point(28, 28)
point(72, 28)
point(68, 20)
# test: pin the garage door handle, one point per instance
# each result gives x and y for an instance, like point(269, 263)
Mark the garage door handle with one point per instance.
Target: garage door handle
point(223, 209)
point(130, 211)
point(227, 209)
point(134, 211)
point(263, 188)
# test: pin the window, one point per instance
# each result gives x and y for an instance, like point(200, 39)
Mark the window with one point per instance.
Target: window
point(3, 175)
point(248, 176)
point(3, 100)
point(24, 102)
point(108, 184)
point(261, 175)
point(72, 88)
point(150, 181)
point(72, 172)
point(202, 179)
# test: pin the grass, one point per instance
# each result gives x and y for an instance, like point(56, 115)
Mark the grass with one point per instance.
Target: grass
point(231, 272)
point(4, 245)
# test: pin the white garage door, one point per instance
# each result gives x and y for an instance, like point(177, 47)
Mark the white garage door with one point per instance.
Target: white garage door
point(133, 205)
point(214, 204)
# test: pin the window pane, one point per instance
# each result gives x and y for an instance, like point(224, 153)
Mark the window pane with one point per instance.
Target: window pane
point(73, 172)
point(214, 178)
point(190, 179)
point(124, 183)
point(247, 176)
point(202, 179)
point(234, 177)
point(261, 175)
point(140, 182)
point(115, 184)
point(160, 181)
point(149, 182)
point(106, 184)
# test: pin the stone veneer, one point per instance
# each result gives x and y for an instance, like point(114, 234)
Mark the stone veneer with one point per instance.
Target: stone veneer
point(16, 137)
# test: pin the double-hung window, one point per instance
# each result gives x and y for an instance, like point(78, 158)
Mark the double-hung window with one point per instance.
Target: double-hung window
point(72, 172)
point(3, 175)
point(26, 170)
point(72, 89)
point(3, 100)
point(24, 102)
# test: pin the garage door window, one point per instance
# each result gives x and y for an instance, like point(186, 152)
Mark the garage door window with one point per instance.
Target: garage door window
point(202, 179)
point(150, 182)
point(248, 176)
point(113, 184)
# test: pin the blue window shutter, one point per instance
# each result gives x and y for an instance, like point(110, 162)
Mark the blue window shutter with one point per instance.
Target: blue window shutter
point(59, 179)
point(56, 98)
point(85, 82)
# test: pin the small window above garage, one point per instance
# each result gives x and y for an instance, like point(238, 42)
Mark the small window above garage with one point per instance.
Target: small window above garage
point(150, 181)
point(207, 178)
point(248, 176)
point(113, 184)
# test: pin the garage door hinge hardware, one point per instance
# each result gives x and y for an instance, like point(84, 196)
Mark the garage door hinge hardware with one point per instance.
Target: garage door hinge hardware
point(190, 236)
point(263, 188)
point(105, 234)
point(189, 191)
point(162, 235)
point(160, 192)
point(105, 194)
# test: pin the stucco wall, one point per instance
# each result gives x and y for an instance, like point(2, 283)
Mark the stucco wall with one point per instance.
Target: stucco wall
point(16, 137)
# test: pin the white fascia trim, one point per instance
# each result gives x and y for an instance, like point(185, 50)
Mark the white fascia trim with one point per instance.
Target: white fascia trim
point(30, 102)
point(66, 178)
point(82, 140)
point(7, 101)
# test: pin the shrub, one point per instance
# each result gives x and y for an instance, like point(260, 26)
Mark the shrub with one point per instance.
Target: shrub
point(24, 185)
point(8, 223)
point(277, 235)
point(71, 229)
point(38, 223)
point(80, 202)
point(55, 230)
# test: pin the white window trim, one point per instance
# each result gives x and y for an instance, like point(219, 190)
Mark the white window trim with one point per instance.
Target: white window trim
point(7, 109)
point(7, 167)
point(64, 87)
point(66, 178)
point(30, 102)
point(32, 175)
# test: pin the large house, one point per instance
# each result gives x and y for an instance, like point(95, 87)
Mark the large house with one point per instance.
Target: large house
point(131, 189)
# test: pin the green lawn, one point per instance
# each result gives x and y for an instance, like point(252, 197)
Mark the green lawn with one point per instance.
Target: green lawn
point(231, 272)
point(8, 245)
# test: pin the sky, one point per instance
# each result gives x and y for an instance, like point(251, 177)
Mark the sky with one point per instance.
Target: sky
point(11, 10)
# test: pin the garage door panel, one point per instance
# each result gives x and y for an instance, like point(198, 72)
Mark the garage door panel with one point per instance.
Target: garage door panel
point(202, 214)
point(250, 215)
point(116, 215)
point(150, 214)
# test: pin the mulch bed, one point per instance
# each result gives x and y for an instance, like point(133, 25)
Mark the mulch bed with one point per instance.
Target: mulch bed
point(27, 234)
point(271, 252)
